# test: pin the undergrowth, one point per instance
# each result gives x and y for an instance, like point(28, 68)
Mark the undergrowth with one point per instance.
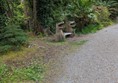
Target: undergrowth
point(33, 73)
point(12, 38)
point(92, 28)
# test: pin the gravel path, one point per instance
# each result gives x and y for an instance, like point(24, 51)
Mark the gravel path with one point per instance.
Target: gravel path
point(95, 62)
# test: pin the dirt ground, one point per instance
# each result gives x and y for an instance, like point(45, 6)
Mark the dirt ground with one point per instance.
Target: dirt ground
point(41, 51)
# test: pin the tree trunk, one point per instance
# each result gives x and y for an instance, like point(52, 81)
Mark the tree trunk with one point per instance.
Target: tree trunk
point(34, 15)
point(37, 27)
point(28, 15)
point(9, 11)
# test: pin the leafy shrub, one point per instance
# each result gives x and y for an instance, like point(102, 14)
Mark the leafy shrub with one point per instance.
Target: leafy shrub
point(2, 20)
point(81, 10)
point(11, 38)
point(92, 28)
point(111, 5)
point(102, 15)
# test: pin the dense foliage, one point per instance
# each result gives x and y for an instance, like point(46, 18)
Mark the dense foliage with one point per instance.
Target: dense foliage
point(36, 15)
point(11, 38)
point(11, 34)
point(84, 12)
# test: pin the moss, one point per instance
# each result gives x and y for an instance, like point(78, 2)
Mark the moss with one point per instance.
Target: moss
point(16, 54)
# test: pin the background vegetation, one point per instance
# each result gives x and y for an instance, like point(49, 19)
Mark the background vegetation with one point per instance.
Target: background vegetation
point(36, 15)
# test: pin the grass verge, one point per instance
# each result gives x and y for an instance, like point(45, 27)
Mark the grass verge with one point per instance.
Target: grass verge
point(31, 74)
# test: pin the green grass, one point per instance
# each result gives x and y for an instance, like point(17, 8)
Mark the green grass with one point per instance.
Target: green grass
point(30, 74)
point(78, 43)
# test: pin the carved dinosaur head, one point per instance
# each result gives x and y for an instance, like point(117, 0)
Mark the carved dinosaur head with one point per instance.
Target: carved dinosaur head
point(72, 23)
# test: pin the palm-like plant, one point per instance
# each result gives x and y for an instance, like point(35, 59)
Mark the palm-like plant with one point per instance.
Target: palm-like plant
point(80, 10)
point(106, 3)
point(112, 6)
point(79, 7)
